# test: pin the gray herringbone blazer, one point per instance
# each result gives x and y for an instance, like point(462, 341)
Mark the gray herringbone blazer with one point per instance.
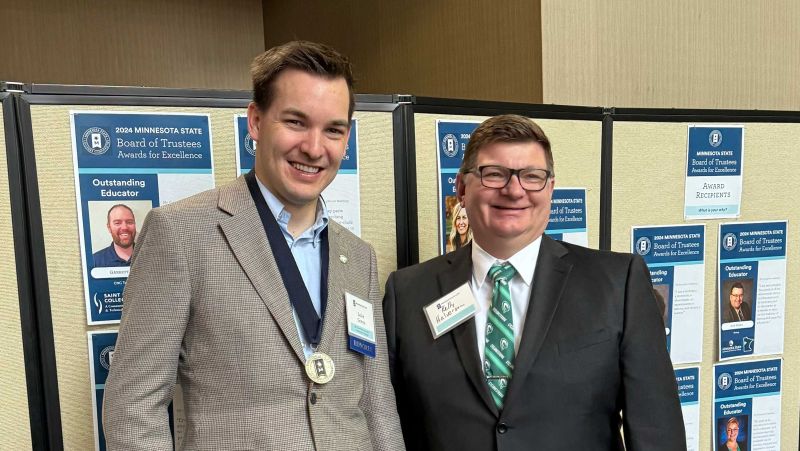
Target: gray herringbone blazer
point(205, 305)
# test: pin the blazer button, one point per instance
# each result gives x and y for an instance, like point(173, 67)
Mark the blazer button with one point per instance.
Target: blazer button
point(502, 428)
point(313, 398)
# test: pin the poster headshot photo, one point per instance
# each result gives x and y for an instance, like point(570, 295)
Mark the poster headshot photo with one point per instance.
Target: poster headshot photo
point(732, 433)
point(457, 229)
point(736, 303)
point(113, 227)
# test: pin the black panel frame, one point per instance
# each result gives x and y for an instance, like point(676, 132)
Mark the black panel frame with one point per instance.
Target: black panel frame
point(405, 192)
point(38, 355)
point(703, 115)
point(490, 108)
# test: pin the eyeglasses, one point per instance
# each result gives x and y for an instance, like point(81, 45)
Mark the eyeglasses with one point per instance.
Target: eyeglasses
point(497, 177)
point(733, 429)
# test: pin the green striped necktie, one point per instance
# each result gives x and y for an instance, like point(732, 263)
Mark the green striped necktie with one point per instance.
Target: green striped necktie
point(498, 363)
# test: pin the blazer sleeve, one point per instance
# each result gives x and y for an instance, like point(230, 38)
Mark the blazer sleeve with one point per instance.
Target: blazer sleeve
point(142, 376)
point(378, 401)
point(651, 411)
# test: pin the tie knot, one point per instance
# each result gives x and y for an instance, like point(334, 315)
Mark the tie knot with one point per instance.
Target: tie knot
point(502, 272)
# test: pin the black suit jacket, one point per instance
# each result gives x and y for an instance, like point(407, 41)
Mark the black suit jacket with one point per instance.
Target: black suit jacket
point(730, 316)
point(593, 346)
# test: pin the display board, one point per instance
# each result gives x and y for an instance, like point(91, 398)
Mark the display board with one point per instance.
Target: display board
point(576, 146)
point(53, 138)
point(15, 429)
point(649, 172)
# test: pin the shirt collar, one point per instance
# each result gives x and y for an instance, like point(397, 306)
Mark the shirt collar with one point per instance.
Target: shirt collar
point(283, 216)
point(524, 262)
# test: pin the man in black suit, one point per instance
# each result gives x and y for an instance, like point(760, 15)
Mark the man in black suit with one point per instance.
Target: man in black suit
point(567, 343)
point(737, 309)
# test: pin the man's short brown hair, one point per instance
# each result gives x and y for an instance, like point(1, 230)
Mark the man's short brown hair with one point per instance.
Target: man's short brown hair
point(310, 57)
point(506, 128)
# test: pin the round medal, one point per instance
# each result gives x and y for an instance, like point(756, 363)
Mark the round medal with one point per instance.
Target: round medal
point(319, 368)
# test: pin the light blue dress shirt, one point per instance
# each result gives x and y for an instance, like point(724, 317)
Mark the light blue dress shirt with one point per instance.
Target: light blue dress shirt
point(305, 250)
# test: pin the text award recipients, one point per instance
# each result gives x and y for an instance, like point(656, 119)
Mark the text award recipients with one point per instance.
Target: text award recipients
point(238, 293)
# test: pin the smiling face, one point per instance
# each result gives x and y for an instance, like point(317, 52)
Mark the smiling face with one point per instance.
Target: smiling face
point(462, 223)
point(122, 226)
point(301, 137)
point(736, 297)
point(505, 220)
point(732, 430)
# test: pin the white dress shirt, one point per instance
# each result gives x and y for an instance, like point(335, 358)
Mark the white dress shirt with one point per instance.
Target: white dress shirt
point(481, 284)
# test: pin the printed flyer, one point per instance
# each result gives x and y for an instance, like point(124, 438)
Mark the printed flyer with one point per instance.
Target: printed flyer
point(101, 355)
point(568, 216)
point(714, 163)
point(688, 380)
point(342, 196)
point(752, 288)
point(452, 138)
point(101, 352)
point(747, 405)
point(127, 163)
point(675, 256)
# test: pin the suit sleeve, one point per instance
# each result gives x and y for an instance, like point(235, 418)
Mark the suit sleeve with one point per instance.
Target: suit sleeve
point(142, 377)
point(378, 401)
point(651, 410)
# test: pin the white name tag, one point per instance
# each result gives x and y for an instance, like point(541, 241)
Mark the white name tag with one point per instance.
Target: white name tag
point(360, 325)
point(450, 310)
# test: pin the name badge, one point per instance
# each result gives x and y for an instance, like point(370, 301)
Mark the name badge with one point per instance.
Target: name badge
point(450, 310)
point(360, 325)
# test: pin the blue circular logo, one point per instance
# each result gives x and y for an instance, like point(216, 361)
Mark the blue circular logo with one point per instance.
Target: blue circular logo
point(729, 241)
point(249, 144)
point(643, 245)
point(715, 138)
point(106, 356)
point(724, 381)
point(96, 141)
point(450, 145)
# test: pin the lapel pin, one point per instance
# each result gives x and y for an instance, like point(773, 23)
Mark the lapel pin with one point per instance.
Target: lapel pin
point(343, 259)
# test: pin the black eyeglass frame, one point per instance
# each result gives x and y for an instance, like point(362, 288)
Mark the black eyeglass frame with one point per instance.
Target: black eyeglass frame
point(511, 172)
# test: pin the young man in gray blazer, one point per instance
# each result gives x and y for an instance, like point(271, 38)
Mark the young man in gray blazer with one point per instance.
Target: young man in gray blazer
point(565, 345)
point(238, 293)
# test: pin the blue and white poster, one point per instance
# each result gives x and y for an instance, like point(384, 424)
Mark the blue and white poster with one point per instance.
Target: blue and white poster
point(568, 216)
point(675, 256)
point(747, 405)
point(714, 164)
point(101, 355)
point(342, 196)
point(245, 146)
point(452, 138)
point(751, 288)
point(101, 352)
point(126, 164)
point(688, 380)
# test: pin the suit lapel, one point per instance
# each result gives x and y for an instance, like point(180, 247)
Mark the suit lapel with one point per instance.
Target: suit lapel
point(248, 241)
point(458, 273)
point(334, 309)
point(548, 286)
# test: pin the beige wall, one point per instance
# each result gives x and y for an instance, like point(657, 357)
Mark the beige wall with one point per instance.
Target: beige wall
point(683, 54)
point(470, 49)
point(176, 43)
